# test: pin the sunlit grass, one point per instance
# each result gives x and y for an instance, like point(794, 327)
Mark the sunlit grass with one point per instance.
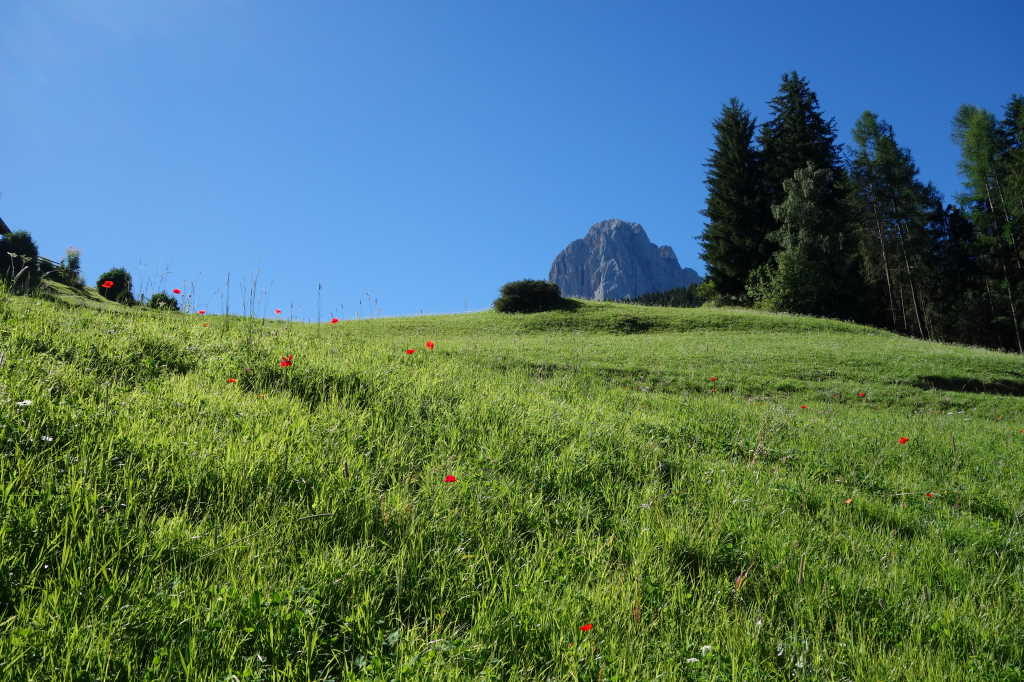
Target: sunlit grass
point(297, 524)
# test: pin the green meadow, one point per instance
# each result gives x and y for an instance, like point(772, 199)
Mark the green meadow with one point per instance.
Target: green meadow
point(160, 523)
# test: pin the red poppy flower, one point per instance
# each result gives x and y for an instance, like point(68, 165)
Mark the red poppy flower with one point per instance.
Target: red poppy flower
point(587, 627)
point(175, 291)
point(107, 284)
point(286, 361)
point(335, 320)
point(903, 440)
point(277, 311)
point(201, 312)
point(409, 351)
point(861, 395)
point(429, 345)
point(803, 407)
point(450, 479)
point(232, 381)
point(712, 378)
point(929, 495)
point(848, 500)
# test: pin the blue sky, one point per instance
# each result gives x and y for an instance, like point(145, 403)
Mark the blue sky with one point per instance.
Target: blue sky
point(422, 154)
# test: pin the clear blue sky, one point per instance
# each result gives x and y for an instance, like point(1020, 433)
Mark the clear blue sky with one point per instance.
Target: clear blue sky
point(428, 152)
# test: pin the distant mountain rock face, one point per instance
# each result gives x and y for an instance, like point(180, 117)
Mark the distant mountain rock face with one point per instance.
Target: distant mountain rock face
point(617, 260)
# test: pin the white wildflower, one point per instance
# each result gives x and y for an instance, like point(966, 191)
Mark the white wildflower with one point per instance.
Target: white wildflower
point(692, 660)
point(706, 649)
point(48, 439)
point(23, 403)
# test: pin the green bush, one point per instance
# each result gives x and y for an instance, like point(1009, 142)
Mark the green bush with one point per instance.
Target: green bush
point(529, 296)
point(19, 259)
point(70, 271)
point(163, 301)
point(121, 291)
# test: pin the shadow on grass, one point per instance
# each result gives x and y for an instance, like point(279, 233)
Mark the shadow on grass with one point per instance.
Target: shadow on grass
point(968, 385)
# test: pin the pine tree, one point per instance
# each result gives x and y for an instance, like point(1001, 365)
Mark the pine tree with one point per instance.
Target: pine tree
point(1011, 128)
point(893, 209)
point(796, 134)
point(814, 269)
point(734, 238)
point(986, 154)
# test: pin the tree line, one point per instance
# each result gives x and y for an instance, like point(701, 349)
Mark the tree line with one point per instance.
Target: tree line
point(798, 223)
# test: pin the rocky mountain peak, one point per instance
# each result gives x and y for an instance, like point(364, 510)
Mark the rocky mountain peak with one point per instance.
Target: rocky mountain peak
point(616, 260)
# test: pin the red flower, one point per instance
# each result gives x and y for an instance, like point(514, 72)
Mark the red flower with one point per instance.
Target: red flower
point(587, 627)
point(803, 407)
point(175, 291)
point(429, 345)
point(277, 311)
point(848, 500)
point(107, 284)
point(903, 440)
point(450, 479)
point(712, 378)
point(335, 320)
point(410, 351)
point(232, 381)
point(286, 361)
point(201, 312)
point(929, 495)
point(861, 395)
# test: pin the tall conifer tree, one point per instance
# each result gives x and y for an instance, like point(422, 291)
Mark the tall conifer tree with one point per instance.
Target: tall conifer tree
point(893, 210)
point(734, 238)
point(797, 134)
point(985, 148)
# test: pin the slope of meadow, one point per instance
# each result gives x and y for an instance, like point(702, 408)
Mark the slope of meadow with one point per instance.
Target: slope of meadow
point(617, 515)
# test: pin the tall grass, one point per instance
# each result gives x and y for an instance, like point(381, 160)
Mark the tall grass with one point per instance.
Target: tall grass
point(158, 522)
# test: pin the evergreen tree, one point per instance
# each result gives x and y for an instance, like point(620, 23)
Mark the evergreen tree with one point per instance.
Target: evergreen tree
point(734, 238)
point(796, 134)
point(814, 270)
point(986, 156)
point(1011, 129)
point(892, 209)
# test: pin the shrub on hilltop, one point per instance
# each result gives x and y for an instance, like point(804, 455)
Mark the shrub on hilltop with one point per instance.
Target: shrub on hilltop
point(530, 296)
point(163, 301)
point(120, 289)
point(19, 258)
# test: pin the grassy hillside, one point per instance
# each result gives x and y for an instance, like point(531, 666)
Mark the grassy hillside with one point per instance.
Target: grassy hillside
point(617, 515)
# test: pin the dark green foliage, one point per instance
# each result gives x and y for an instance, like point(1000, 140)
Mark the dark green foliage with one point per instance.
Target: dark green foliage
point(796, 134)
point(681, 297)
point(991, 166)
point(814, 271)
point(529, 296)
point(892, 210)
point(122, 289)
point(735, 240)
point(19, 259)
point(163, 301)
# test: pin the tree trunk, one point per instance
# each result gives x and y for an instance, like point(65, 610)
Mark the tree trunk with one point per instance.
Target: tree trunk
point(885, 262)
point(1013, 309)
point(910, 281)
